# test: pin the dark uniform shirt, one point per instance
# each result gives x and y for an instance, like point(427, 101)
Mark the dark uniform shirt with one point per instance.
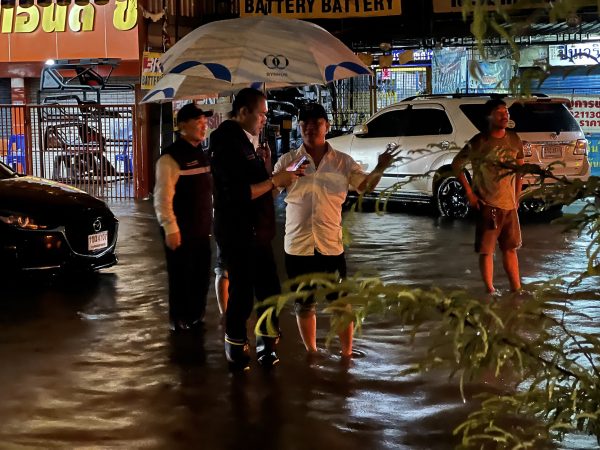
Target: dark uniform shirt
point(192, 202)
point(236, 167)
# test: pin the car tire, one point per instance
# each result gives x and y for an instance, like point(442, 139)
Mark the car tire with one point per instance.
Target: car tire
point(537, 211)
point(450, 198)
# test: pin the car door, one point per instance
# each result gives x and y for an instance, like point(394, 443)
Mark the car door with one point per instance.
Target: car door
point(428, 137)
point(386, 127)
point(424, 132)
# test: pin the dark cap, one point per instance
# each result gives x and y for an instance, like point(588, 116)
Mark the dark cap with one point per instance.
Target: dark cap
point(312, 111)
point(191, 111)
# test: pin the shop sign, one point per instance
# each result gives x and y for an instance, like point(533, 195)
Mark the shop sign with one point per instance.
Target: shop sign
point(446, 6)
point(586, 110)
point(406, 56)
point(151, 71)
point(584, 54)
point(56, 18)
point(423, 55)
point(320, 9)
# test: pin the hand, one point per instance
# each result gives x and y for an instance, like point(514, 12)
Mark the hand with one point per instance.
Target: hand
point(386, 159)
point(264, 151)
point(300, 171)
point(285, 178)
point(173, 240)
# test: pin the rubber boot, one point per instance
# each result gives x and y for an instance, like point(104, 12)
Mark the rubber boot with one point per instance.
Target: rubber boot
point(265, 351)
point(237, 354)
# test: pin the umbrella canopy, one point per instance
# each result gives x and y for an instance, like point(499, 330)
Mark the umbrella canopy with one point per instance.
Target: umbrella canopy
point(179, 87)
point(269, 50)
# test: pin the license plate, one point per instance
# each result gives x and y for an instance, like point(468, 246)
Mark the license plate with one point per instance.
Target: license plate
point(552, 151)
point(97, 241)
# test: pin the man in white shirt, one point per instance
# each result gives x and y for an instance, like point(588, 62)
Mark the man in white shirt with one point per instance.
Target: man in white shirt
point(313, 226)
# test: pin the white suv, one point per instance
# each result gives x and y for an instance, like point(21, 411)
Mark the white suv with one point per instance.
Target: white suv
point(431, 129)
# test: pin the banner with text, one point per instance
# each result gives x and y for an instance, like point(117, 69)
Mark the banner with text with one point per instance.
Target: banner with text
point(151, 71)
point(320, 9)
point(446, 6)
point(586, 110)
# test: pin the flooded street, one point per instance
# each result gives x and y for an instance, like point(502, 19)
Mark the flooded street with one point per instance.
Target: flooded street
point(90, 363)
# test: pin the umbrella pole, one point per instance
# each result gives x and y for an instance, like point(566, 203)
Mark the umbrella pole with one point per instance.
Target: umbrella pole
point(160, 128)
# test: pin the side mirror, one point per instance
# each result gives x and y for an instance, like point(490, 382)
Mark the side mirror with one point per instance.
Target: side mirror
point(360, 130)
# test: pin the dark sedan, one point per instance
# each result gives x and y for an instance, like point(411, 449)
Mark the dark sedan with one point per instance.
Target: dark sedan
point(45, 225)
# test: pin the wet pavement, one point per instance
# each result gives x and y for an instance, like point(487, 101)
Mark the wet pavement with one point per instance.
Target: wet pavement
point(90, 363)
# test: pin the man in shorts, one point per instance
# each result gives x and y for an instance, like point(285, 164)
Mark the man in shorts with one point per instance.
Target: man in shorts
point(313, 223)
point(494, 193)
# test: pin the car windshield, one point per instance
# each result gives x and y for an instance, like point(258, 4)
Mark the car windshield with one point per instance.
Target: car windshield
point(6, 172)
point(529, 117)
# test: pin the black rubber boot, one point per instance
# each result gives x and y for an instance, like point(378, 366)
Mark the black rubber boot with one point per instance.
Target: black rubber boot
point(237, 354)
point(265, 351)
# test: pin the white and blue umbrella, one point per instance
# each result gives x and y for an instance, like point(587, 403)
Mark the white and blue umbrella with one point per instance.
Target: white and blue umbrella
point(180, 87)
point(273, 51)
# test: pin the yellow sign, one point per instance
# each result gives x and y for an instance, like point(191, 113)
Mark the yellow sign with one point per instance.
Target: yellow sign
point(320, 9)
point(444, 6)
point(151, 71)
point(55, 17)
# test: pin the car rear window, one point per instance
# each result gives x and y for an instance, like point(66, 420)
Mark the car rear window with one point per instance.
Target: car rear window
point(529, 117)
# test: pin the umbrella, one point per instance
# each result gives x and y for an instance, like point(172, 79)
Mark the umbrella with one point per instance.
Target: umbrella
point(270, 50)
point(179, 87)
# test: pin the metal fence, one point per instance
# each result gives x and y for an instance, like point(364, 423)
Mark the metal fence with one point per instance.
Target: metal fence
point(354, 100)
point(89, 146)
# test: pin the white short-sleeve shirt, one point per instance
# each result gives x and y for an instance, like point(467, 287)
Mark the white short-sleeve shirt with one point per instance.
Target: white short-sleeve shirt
point(314, 202)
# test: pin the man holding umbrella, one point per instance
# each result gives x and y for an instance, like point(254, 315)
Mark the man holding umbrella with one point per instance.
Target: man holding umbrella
point(244, 223)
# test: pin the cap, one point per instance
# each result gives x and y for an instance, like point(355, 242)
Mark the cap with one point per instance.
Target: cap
point(312, 111)
point(191, 111)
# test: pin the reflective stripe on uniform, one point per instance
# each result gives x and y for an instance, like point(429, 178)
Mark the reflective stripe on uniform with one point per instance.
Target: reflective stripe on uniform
point(196, 171)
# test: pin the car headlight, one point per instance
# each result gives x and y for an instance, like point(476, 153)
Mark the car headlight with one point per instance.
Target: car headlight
point(21, 221)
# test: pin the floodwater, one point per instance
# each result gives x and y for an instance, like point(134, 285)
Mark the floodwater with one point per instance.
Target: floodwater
point(90, 363)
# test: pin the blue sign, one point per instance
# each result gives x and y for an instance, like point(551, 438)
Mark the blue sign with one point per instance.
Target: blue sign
point(594, 153)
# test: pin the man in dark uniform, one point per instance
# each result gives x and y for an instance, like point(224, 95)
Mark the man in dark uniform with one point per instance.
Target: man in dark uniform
point(183, 204)
point(245, 222)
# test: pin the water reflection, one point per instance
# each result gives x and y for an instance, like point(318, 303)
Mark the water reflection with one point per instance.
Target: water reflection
point(90, 362)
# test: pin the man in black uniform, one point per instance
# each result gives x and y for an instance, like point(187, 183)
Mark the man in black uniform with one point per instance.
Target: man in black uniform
point(245, 222)
point(183, 204)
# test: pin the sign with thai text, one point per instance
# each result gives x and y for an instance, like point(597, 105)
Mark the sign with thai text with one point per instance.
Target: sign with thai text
point(446, 6)
point(584, 54)
point(69, 31)
point(586, 110)
point(320, 9)
point(54, 18)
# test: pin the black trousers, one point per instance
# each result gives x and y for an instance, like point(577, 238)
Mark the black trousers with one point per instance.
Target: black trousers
point(252, 273)
point(189, 269)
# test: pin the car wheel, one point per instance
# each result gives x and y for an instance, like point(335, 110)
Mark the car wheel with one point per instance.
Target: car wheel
point(450, 198)
point(537, 210)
